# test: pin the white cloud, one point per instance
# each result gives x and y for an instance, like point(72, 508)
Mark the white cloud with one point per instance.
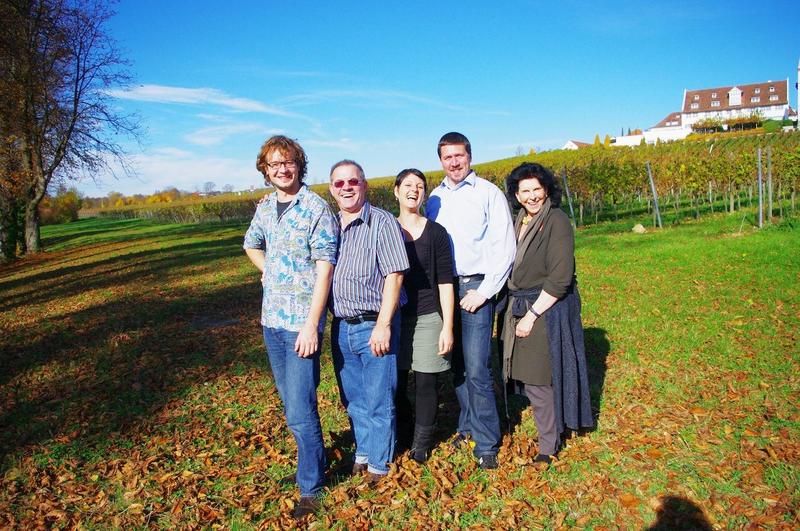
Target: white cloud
point(169, 166)
point(383, 97)
point(343, 144)
point(196, 96)
point(209, 136)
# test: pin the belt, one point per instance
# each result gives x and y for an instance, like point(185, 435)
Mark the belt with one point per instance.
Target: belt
point(364, 317)
point(464, 279)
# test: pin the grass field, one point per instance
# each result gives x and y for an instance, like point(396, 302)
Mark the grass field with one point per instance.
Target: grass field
point(134, 392)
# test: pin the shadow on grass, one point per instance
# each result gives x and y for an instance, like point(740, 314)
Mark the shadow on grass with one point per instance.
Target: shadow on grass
point(113, 271)
point(121, 360)
point(678, 513)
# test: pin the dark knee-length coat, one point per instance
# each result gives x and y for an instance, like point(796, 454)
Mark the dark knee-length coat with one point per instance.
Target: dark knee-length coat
point(553, 353)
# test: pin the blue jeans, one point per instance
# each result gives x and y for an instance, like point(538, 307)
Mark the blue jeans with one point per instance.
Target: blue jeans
point(297, 379)
point(472, 375)
point(367, 384)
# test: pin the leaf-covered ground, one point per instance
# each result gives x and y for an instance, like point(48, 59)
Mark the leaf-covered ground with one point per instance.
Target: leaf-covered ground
point(134, 393)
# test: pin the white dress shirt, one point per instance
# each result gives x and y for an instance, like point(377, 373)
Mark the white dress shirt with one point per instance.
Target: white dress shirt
point(476, 215)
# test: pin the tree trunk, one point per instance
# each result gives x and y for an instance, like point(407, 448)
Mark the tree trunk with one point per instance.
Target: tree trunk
point(580, 210)
point(33, 239)
point(730, 196)
point(8, 231)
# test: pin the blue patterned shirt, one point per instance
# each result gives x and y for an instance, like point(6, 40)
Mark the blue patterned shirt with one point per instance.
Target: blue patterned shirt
point(307, 231)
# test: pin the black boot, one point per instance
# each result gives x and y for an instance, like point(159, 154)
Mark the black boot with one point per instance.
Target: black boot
point(423, 438)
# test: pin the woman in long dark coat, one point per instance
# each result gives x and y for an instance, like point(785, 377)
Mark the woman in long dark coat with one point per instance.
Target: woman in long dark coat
point(543, 336)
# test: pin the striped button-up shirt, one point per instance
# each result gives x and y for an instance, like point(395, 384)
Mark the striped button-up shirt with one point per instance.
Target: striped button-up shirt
point(371, 248)
point(307, 231)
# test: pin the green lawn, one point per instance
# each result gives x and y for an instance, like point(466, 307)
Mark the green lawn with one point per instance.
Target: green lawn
point(134, 392)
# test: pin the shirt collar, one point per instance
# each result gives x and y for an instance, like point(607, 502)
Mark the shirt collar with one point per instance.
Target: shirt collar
point(363, 216)
point(273, 197)
point(470, 179)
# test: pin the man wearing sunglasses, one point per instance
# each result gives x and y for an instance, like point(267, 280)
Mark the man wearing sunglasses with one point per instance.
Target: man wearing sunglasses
point(476, 215)
point(293, 240)
point(365, 332)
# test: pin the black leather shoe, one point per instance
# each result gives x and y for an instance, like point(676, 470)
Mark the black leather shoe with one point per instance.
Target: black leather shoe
point(542, 461)
point(459, 440)
point(487, 462)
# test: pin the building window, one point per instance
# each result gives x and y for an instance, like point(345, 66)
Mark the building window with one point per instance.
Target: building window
point(715, 103)
point(696, 97)
point(695, 105)
point(757, 91)
point(774, 97)
point(772, 89)
point(755, 99)
point(713, 94)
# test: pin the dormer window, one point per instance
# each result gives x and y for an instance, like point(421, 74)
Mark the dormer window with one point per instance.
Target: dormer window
point(772, 89)
point(715, 103)
point(773, 97)
point(695, 106)
point(713, 94)
point(755, 99)
point(696, 97)
point(757, 91)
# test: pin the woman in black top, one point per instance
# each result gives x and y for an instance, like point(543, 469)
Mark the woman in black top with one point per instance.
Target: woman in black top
point(426, 338)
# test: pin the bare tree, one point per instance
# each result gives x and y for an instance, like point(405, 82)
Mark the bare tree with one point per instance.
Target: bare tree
point(209, 187)
point(61, 65)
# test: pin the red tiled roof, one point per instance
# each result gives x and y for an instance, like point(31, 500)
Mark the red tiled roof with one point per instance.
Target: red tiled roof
point(671, 117)
point(704, 97)
point(580, 144)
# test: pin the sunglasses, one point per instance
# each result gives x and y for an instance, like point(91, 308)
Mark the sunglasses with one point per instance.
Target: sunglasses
point(352, 182)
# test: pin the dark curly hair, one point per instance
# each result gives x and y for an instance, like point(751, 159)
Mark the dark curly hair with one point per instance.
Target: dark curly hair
point(532, 170)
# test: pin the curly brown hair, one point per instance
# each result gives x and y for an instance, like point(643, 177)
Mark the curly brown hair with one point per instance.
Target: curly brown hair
point(289, 148)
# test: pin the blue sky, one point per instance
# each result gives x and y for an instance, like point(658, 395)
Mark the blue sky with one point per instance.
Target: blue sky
point(380, 82)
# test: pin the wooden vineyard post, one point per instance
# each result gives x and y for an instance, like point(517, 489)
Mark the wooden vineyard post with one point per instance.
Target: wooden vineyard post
point(569, 198)
point(760, 194)
point(656, 212)
point(769, 184)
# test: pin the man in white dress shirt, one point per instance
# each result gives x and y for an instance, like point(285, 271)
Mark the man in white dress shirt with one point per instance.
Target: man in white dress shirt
point(477, 217)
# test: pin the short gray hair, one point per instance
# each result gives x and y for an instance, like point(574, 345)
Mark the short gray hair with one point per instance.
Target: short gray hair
point(348, 162)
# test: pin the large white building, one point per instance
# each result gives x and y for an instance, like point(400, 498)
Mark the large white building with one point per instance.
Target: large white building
point(769, 99)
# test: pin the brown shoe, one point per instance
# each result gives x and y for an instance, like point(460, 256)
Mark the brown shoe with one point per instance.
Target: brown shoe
point(287, 481)
point(359, 468)
point(374, 479)
point(307, 505)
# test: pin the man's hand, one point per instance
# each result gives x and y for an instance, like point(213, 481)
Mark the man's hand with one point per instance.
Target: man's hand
point(525, 325)
point(445, 341)
point(380, 339)
point(472, 301)
point(307, 341)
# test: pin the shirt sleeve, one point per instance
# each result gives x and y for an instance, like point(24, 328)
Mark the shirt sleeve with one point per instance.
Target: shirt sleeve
point(560, 259)
point(443, 256)
point(255, 237)
point(390, 248)
point(324, 239)
point(502, 245)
